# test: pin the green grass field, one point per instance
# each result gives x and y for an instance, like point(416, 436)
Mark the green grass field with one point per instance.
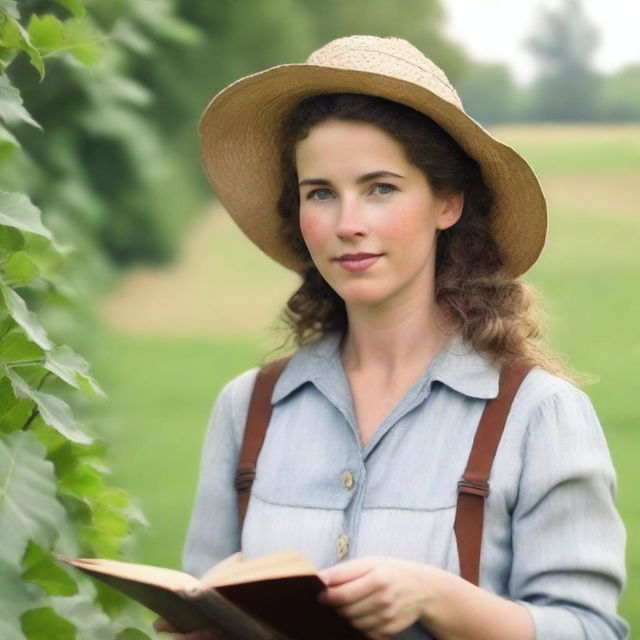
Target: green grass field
point(162, 387)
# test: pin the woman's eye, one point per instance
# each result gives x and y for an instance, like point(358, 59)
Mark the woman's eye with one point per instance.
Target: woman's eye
point(383, 188)
point(319, 194)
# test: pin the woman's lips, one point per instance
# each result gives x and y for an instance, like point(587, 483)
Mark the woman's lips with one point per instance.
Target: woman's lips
point(356, 262)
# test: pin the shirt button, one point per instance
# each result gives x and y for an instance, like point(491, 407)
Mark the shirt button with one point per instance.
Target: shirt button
point(347, 480)
point(342, 546)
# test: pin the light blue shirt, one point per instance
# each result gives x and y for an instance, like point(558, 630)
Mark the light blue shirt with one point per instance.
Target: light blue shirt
point(552, 537)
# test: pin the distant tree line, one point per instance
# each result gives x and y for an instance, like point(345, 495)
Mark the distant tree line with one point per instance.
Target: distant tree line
point(567, 88)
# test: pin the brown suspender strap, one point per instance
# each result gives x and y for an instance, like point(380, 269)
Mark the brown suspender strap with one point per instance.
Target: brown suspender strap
point(473, 488)
point(255, 430)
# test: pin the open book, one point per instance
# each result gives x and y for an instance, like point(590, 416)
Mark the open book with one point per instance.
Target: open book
point(267, 598)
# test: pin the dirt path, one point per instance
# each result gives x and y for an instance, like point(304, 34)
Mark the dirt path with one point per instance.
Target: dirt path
point(607, 195)
point(219, 285)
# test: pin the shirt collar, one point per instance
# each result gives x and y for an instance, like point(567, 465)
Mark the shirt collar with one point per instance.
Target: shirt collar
point(458, 365)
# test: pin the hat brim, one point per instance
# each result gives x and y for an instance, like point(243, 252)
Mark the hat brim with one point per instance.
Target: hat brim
point(239, 133)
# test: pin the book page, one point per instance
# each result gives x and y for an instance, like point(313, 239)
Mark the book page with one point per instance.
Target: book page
point(224, 566)
point(283, 564)
point(147, 574)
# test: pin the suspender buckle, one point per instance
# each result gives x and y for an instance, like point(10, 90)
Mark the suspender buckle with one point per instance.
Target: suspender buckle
point(473, 487)
point(245, 476)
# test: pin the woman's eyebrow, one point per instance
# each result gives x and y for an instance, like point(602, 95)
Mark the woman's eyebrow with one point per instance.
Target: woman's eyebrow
point(315, 182)
point(365, 178)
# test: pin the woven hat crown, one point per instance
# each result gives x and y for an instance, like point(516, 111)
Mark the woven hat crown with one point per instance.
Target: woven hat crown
point(392, 57)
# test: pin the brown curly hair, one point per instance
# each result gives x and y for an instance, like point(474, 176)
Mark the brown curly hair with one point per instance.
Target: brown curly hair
point(493, 311)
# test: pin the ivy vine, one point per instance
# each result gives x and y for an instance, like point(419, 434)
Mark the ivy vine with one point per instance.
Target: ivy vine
point(54, 494)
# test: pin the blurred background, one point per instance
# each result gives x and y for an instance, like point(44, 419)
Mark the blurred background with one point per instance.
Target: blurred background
point(171, 301)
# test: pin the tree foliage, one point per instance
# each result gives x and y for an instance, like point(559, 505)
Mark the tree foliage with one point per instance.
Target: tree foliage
point(105, 176)
point(489, 93)
point(618, 100)
point(54, 496)
point(564, 43)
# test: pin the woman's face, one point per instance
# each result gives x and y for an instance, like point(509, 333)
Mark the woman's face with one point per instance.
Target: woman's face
point(369, 216)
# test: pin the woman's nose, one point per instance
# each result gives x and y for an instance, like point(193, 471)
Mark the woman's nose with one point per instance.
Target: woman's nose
point(351, 219)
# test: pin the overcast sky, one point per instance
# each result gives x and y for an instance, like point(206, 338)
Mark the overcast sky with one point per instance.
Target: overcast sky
point(495, 30)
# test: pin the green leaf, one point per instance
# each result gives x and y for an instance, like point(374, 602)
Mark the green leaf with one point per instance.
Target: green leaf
point(28, 505)
point(66, 455)
point(17, 211)
point(48, 256)
point(79, 512)
point(109, 521)
point(20, 269)
point(10, 239)
point(16, 347)
point(73, 6)
point(132, 634)
point(60, 451)
point(11, 108)
point(90, 621)
point(14, 413)
point(9, 34)
point(101, 543)
point(115, 497)
point(14, 601)
point(45, 624)
point(72, 368)
point(83, 482)
point(22, 41)
point(11, 7)
point(14, 418)
point(6, 137)
point(81, 41)
point(90, 386)
point(7, 397)
point(25, 318)
point(6, 323)
point(46, 32)
point(41, 569)
point(54, 411)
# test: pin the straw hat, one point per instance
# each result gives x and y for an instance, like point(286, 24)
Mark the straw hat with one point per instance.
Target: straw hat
point(240, 128)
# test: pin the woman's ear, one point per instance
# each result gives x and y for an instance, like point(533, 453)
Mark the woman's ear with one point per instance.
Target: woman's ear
point(451, 210)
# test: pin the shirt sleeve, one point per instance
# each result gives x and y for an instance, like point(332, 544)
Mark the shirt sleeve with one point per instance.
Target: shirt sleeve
point(214, 532)
point(568, 539)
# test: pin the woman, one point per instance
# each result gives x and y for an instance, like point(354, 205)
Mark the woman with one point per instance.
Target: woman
point(409, 225)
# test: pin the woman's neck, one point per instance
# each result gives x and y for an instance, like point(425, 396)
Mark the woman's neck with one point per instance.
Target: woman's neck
point(404, 338)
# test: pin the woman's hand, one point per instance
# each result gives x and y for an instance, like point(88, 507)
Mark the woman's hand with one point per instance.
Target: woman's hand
point(203, 634)
point(380, 596)
point(384, 596)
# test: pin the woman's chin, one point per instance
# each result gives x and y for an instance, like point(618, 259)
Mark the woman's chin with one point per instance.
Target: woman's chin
point(362, 295)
